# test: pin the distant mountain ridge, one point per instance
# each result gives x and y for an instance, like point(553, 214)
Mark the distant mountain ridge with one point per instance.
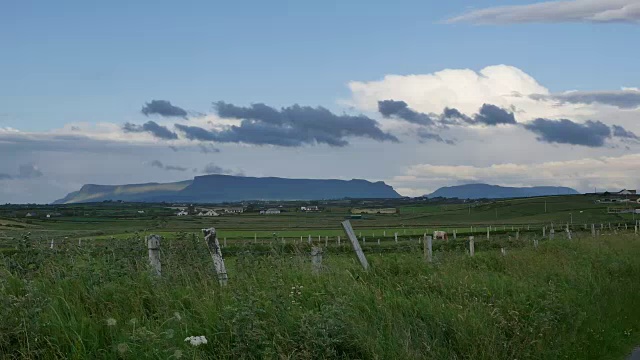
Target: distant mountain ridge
point(480, 191)
point(221, 188)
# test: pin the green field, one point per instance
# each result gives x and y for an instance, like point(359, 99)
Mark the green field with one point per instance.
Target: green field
point(93, 296)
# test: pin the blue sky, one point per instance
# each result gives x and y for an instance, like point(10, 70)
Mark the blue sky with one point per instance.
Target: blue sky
point(81, 61)
point(74, 76)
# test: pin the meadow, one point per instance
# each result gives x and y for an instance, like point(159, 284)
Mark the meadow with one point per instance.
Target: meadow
point(94, 297)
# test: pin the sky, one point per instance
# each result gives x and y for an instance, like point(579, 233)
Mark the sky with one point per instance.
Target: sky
point(419, 94)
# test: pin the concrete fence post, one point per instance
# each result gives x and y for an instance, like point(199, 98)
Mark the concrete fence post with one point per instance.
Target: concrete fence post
point(153, 245)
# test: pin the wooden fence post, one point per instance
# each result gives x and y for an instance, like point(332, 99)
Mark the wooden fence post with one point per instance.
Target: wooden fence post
point(339, 240)
point(472, 246)
point(535, 243)
point(455, 234)
point(488, 233)
point(346, 225)
point(316, 259)
point(309, 238)
point(395, 236)
point(503, 251)
point(211, 238)
point(326, 241)
point(593, 230)
point(552, 234)
point(153, 245)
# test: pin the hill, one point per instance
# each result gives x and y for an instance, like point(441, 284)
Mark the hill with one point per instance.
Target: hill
point(221, 188)
point(485, 191)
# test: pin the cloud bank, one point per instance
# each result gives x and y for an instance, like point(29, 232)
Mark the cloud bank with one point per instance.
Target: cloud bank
point(293, 126)
point(594, 11)
point(151, 127)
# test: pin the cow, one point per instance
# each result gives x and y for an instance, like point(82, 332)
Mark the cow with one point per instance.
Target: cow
point(440, 235)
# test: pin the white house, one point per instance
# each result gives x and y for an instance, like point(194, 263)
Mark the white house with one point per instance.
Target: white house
point(309, 208)
point(208, 213)
point(182, 213)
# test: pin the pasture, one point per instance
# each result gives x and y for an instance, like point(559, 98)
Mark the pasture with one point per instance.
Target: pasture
point(93, 296)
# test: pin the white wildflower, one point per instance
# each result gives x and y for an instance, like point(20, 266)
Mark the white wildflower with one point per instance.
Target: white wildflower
point(177, 354)
point(196, 340)
point(177, 316)
point(111, 322)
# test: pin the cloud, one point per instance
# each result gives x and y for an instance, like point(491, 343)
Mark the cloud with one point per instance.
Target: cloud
point(164, 109)
point(591, 133)
point(160, 165)
point(621, 132)
point(425, 135)
point(464, 90)
point(612, 173)
point(208, 149)
point(25, 171)
point(595, 11)
point(289, 127)
point(624, 99)
point(211, 169)
point(494, 115)
point(400, 109)
point(151, 127)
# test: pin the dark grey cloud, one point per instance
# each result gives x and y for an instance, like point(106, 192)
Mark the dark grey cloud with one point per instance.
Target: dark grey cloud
point(488, 114)
point(159, 164)
point(25, 171)
point(621, 132)
point(159, 131)
point(624, 99)
point(591, 133)
point(493, 115)
point(400, 109)
point(425, 136)
point(290, 127)
point(163, 108)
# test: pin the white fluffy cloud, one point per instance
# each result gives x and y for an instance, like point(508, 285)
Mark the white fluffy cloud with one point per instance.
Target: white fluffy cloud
point(596, 11)
point(465, 90)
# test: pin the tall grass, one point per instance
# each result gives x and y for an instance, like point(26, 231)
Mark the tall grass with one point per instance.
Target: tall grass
point(564, 300)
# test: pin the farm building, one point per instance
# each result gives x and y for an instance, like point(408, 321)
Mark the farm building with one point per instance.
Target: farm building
point(626, 192)
point(375, 211)
point(208, 213)
point(182, 213)
point(31, 214)
point(271, 211)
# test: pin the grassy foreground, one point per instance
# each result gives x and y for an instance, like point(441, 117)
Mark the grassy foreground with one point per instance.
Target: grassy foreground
point(564, 300)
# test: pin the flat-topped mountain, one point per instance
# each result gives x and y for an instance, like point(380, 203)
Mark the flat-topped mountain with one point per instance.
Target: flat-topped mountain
point(485, 191)
point(220, 188)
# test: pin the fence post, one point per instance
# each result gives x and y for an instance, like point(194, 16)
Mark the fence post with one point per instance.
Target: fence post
point(378, 241)
point(535, 243)
point(346, 225)
point(472, 246)
point(488, 233)
point(326, 241)
point(455, 234)
point(552, 234)
point(428, 248)
point(316, 259)
point(211, 238)
point(544, 231)
point(503, 251)
point(518, 235)
point(309, 238)
point(153, 245)
point(568, 234)
point(395, 236)
point(338, 240)
point(593, 230)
